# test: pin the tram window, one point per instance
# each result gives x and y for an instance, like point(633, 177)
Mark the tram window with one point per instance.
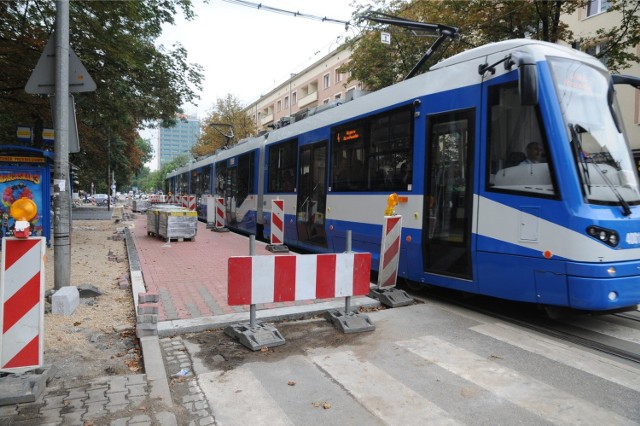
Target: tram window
point(519, 158)
point(245, 179)
point(282, 166)
point(221, 179)
point(374, 154)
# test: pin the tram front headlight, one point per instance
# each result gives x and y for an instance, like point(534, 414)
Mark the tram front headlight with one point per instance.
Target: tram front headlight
point(607, 236)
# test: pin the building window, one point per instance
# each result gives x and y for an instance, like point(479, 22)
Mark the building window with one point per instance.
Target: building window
point(596, 51)
point(294, 98)
point(279, 107)
point(326, 81)
point(286, 102)
point(338, 77)
point(338, 96)
point(597, 6)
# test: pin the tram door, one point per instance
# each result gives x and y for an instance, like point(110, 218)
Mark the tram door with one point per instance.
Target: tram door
point(449, 194)
point(312, 194)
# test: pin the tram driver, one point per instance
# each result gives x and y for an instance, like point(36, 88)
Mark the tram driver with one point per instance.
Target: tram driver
point(534, 153)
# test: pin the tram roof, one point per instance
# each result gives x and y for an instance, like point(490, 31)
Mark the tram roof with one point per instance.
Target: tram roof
point(539, 49)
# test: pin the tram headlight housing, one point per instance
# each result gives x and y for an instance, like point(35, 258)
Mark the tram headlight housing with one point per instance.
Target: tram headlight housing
point(607, 236)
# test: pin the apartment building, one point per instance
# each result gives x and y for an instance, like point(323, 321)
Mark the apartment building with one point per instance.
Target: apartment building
point(317, 85)
point(584, 23)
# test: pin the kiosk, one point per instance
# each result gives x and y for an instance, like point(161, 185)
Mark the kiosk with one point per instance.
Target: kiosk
point(26, 172)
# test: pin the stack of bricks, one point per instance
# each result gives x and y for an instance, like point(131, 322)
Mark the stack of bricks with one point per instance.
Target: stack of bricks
point(147, 318)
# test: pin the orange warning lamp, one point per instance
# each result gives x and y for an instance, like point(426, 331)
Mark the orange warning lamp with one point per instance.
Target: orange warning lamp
point(22, 211)
point(392, 201)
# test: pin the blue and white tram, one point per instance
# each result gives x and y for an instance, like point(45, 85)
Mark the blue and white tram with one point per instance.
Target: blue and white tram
point(511, 163)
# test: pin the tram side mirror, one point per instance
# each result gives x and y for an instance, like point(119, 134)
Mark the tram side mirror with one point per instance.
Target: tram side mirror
point(527, 76)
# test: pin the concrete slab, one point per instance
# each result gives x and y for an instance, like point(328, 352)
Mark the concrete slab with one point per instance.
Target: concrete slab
point(65, 301)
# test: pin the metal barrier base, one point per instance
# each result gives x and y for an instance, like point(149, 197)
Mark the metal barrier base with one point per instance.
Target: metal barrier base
point(352, 322)
point(277, 248)
point(220, 229)
point(391, 297)
point(25, 387)
point(255, 338)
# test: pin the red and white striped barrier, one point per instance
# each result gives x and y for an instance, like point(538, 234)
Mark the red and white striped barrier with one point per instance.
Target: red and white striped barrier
point(389, 252)
point(220, 213)
point(277, 222)
point(287, 278)
point(22, 296)
point(188, 202)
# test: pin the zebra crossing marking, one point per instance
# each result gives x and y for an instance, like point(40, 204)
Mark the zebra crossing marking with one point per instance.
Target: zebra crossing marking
point(557, 351)
point(608, 329)
point(527, 392)
point(242, 398)
point(389, 400)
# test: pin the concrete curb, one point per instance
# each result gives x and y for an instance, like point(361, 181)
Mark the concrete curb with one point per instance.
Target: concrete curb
point(151, 351)
point(193, 325)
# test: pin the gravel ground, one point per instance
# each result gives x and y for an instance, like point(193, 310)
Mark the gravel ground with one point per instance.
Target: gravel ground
point(98, 339)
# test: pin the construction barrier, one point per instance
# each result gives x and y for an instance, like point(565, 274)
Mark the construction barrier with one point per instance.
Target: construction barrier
point(277, 227)
point(289, 278)
point(22, 310)
point(219, 215)
point(188, 202)
point(386, 291)
point(390, 252)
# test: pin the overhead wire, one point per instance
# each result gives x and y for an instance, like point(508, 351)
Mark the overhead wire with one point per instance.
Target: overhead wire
point(261, 6)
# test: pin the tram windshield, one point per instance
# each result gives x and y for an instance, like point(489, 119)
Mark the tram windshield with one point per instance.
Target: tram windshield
point(600, 149)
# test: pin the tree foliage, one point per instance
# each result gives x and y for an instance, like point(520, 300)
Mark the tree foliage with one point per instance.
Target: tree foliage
point(137, 81)
point(618, 40)
point(151, 181)
point(378, 65)
point(226, 112)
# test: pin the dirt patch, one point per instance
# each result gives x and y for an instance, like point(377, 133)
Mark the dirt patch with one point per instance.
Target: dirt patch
point(220, 352)
point(98, 339)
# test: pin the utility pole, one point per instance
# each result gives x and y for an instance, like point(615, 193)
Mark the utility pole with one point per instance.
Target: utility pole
point(61, 194)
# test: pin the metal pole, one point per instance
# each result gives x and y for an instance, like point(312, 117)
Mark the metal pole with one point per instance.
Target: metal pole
point(347, 300)
point(252, 307)
point(61, 198)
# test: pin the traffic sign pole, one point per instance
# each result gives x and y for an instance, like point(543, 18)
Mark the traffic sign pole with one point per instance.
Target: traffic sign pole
point(61, 194)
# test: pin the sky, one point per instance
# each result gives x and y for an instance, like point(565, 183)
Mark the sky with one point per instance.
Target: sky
point(246, 51)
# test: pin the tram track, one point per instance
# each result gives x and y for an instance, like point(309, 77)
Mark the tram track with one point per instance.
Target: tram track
point(562, 329)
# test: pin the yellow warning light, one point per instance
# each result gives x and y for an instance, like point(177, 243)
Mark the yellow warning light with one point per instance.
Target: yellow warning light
point(392, 201)
point(23, 209)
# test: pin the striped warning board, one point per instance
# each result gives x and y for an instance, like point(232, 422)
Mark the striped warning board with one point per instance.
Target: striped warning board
point(22, 297)
point(287, 278)
point(220, 213)
point(277, 222)
point(389, 252)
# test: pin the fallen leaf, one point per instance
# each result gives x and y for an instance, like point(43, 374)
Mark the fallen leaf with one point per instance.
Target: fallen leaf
point(291, 383)
point(326, 405)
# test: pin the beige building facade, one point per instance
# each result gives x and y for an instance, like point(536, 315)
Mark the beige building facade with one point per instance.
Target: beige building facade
point(584, 23)
point(317, 85)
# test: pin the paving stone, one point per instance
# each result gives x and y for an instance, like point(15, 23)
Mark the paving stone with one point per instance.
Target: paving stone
point(73, 418)
point(137, 390)
point(94, 411)
point(96, 395)
point(117, 398)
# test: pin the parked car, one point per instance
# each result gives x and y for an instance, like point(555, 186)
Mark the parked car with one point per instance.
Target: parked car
point(100, 199)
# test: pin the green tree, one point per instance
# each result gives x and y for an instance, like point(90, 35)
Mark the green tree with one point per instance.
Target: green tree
point(226, 111)
point(479, 21)
point(137, 81)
